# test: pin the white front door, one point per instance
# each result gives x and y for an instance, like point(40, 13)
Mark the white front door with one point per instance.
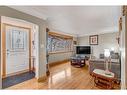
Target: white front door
point(17, 49)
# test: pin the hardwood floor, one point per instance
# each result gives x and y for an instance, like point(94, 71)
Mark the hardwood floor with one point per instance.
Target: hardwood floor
point(63, 76)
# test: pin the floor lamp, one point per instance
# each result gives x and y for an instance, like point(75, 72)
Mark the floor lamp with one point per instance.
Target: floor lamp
point(107, 61)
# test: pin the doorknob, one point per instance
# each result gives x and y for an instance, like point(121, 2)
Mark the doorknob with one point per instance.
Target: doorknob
point(7, 49)
point(7, 53)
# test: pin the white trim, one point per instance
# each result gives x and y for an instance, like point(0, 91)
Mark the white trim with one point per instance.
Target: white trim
point(123, 60)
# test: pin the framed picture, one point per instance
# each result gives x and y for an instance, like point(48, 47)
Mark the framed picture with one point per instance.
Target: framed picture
point(75, 42)
point(93, 40)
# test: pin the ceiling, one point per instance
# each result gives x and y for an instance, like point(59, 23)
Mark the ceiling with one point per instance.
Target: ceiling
point(77, 20)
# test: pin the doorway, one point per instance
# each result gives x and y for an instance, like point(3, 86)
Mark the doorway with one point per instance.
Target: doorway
point(16, 55)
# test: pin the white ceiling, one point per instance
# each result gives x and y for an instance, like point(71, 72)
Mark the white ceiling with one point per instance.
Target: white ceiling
point(77, 20)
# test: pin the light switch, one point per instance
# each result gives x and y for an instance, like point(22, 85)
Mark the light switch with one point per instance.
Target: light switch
point(42, 45)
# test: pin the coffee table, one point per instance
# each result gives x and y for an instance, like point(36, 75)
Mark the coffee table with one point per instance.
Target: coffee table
point(103, 80)
point(78, 61)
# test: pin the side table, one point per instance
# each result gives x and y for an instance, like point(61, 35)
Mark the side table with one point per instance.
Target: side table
point(103, 80)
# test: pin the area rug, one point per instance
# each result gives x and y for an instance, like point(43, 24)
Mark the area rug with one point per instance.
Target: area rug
point(13, 80)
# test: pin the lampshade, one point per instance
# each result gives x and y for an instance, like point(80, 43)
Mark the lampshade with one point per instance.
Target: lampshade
point(106, 52)
point(112, 49)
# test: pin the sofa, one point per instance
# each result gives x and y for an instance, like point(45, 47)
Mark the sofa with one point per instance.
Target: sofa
point(100, 64)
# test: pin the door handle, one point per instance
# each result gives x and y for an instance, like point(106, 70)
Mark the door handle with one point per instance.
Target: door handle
point(7, 52)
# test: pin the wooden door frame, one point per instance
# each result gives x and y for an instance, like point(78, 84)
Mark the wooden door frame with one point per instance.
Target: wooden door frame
point(4, 46)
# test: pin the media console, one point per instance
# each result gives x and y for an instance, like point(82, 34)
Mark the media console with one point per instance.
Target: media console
point(82, 54)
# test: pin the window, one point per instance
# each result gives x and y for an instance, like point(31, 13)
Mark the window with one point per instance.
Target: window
point(59, 44)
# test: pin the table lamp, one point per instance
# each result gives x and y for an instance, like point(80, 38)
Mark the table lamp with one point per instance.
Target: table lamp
point(107, 61)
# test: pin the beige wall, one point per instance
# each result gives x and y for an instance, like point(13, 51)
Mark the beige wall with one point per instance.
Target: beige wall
point(59, 57)
point(0, 55)
point(9, 12)
point(105, 41)
point(125, 66)
point(123, 47)
point(123, 55)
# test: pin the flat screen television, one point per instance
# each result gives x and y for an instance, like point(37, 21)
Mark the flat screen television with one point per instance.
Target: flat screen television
point(83, 50)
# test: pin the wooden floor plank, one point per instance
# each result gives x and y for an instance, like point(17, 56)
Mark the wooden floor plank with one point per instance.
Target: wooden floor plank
point(62, 76)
